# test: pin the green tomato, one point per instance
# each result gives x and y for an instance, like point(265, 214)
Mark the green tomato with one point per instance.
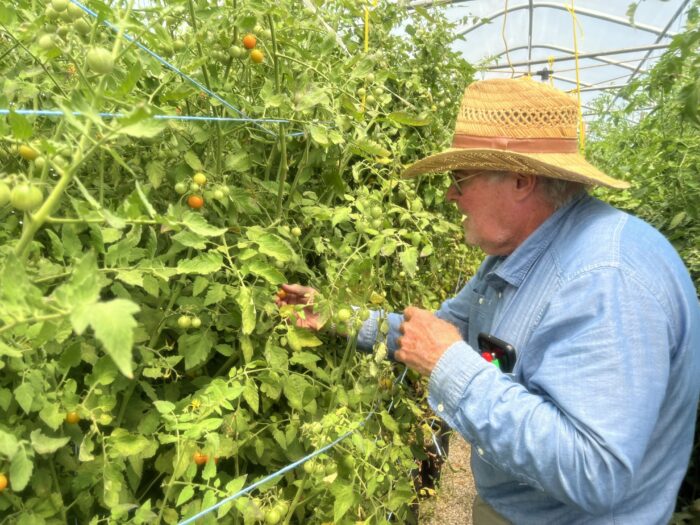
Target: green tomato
point(184, 321)
point(236, 52)
point(4, 194)
point(46, 42)
point(59, 5)
point(196, 322)
point(272, 516)
point(309, 467)
point(26, 197)
point(344, 314)
point(296, 231)
point(219, 195)
point(82, 26)
point(179, 45)
point(181, 188)
point(100, 60)
point(376, 212)
point(195, 187)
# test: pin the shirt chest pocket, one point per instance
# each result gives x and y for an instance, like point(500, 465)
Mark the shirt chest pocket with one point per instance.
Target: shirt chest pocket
point(481, 310)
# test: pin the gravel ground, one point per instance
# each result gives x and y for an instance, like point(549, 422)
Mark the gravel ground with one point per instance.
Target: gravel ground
point(452, 504)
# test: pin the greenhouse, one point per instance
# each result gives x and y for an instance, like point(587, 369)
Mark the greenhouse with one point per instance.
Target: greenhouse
point(349, 261)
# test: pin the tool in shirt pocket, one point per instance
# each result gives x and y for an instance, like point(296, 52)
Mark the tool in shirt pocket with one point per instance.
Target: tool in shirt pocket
point(497, 351)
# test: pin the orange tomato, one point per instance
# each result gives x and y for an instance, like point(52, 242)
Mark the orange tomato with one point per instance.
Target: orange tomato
point(3, 482)
point(257, 56)
point(199, 458)
point(249, 41)
point(72, 418)
point(195, 202)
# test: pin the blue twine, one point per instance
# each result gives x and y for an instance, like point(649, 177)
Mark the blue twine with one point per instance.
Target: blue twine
point(206, 118)
point(171, 66)
point(284, 470)
point(291, 466)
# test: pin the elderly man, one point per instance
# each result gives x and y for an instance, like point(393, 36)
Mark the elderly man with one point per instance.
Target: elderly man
point(594, 423)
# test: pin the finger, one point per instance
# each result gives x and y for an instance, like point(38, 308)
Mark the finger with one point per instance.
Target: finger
point(402, 328)
point(410, 312)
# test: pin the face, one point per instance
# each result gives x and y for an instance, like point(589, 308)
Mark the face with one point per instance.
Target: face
point(483, 202)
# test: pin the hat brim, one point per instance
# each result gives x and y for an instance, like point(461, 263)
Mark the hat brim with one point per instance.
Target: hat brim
point(567, 166)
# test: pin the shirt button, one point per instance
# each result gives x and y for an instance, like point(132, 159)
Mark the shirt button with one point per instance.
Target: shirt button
point(481, 300)
point(480, 451)
point(500, 294)
point(441, 407)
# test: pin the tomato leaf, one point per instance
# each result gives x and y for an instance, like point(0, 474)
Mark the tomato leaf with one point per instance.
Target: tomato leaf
point(20, 470)
point(198, 224)
point(409, 260)
point(203, 264)
point(46, 445)
point(299, 338)
point(8, 444)
point(186, 494)
point(345, 498)
point(24, 395)
point(143, 129)
point(245, 302)
point(266, 271)
point(404, 118)
point(113, 323)
point(250, 394)
point(193, 161)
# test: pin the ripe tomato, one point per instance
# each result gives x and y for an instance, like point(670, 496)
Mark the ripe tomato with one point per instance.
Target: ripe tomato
point(249, 41)
point(72, 418)
point(27, 152)
point(4, 194)
point(184, 321)
point(26, 197)
point(195, 202)
point(200, 458)
point(3, 482)
point(100, 60)
point(257, 56)
point(281, 293)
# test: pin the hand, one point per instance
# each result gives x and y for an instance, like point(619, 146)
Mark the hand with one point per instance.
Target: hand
point(296, 294)
point(425, 338)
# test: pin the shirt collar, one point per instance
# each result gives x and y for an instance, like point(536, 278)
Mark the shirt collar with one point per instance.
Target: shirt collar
point(514, 268)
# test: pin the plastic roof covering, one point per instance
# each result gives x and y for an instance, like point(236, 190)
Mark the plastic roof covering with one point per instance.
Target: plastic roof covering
point(612, 50)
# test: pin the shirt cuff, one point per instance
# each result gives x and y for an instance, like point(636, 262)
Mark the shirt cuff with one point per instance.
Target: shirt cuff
point(451, 377)
point(367, 334)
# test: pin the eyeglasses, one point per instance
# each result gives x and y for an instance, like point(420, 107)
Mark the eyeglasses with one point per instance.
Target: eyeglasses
point(458, 180)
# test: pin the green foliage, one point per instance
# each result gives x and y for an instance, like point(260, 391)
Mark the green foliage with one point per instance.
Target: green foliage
point(654, 142)
point(94, 280)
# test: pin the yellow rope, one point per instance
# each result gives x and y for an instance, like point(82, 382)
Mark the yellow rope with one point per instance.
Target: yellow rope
point(550, 66)
point(374, 4)
point(503, 36)
point(582, 134)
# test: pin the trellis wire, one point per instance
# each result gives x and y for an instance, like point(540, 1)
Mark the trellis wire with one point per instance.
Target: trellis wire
point(295, 464)
point(173, 68)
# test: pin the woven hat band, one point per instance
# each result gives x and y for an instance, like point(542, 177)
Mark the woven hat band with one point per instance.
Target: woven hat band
point(536, 145)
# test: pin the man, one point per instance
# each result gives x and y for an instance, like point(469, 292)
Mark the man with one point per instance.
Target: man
point(595, 423)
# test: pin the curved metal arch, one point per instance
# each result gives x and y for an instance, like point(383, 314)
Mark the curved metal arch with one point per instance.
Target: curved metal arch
point(579, 11)
point(593, 56)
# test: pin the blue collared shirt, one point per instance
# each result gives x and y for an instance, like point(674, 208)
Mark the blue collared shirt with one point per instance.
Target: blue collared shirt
point(595, 423)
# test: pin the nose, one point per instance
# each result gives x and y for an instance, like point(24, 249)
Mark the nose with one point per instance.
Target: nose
point(452, 193)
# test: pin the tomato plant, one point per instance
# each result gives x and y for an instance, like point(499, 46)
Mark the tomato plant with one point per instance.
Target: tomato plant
point(127, 301)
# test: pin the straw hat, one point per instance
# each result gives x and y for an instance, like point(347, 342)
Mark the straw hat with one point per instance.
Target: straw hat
point(517, 125)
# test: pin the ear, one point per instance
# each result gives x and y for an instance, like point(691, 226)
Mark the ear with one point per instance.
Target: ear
point(524, 185)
